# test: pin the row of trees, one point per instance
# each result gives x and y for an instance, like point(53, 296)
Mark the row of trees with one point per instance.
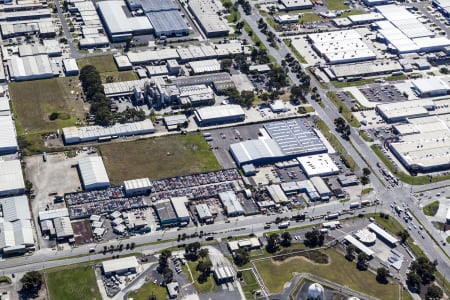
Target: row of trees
point(274, 241)
point(94, 92)
point(342, 127)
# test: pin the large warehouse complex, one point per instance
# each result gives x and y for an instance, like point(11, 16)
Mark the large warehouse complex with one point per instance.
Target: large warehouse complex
point(11, 178)
point(93, 173)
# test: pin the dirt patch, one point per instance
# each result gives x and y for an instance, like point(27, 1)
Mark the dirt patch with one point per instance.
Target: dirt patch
point(82, 232)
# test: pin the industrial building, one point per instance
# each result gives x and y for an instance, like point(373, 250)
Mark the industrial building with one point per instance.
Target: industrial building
point(93, 173)
point(11, 178)
point(402, 32)
point(168, 23)
point(231, 204)
point(196, 95)
point(120, 266)
point(296, 4)
point(172, 289)
point(400, 111)
point(166, 213)
point(276, 193)
point(8, 142)
point(30, 68)
point(70, 67)
point(443, 6)
point(318, 165)
point(295, 137)
point(204, 213)
point(63, 228)
point(250, 244)
point(257, 152)
point(431, 87)
point(15, 208)
point(74, 135)
point(321, 188)
point(141, 186)
point(368, 68)
point(383, 234)
point(122, 62)
point(360, 246)
point(179, 205)
point(173, 122)
point(205, 66)
point(213, 115)
point(342, 46)
point(207, 15)
point(277, 106)
point(119, 25)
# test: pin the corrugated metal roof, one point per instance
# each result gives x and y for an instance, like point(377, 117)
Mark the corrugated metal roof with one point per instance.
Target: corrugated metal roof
point(15, 208)
point(52, 214)
point(63, 227)
point(120, 264)
point(179, 204)
point(11, 178)
point(137, 184)
point(117, 21)
point(8, 142)
point(254, 151)
point(93, 172)
point(166, 22)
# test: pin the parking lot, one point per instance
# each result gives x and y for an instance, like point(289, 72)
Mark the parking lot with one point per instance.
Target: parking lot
point(382, 93)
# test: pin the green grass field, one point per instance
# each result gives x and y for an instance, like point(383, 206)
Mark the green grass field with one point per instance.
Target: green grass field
point(118, 76)
point(310, 17)
point(431, 209)
point(249, 284)
point(346, 113)
point(336, 5)
point(73, 284)
point(103, 63)
point(159, 157)
point(34, 101)
point(147, 290)
point(208, 286)
point(339, 270)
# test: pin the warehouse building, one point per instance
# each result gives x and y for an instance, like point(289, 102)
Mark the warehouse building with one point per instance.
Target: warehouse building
point(4, 107)
point(93, 42)
point(371, 68)
point(196, 95)
point(400, 111)
point(383, 234)
point(8, 142)
point(166, 213)
point(53, 214)
point(122, 62)
point(250, 244)
point(204, 213)
point(63, 228)
point(276, 193)
point(93, 173)
point(231, 204)
point(175, 121)
point(205, 66)
point(70, 67)
point(321, 187)
point(15, 208)
point(430, 87)
point(342, 46)
point(318, 165)
point(296, 4)
point(74, 135)
point(168, 23)
point(142, 186)
point(208, 15)
point(295, 137)
point(443, 6)
point(223, 114)
point(257, 152)
point(30, 68)
point(120, 266)
point(179, 205)
point(11, 178)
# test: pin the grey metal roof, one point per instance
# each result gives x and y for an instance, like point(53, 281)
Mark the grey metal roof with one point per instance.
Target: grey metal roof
point(165, 210)
point(11, 178)
point(117, 21)
point(52, 214)
point(229, 200)
point(255, 151)
point(165, 22)
point(295, 137)
point(8, 142)
point(63, 227)
point(15, 208)
point(153, 5)
point(93, 171)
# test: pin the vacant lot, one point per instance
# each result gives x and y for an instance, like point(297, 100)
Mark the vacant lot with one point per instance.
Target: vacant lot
point(157, 158)
point(339, 270)
point(103, 63)
point(73, 284)
point(34, 102)
point(431, 209)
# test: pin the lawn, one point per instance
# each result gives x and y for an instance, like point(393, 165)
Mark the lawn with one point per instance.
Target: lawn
point(103, 63)
point(336, 5)
point(310, 17)
point(147, 290)
point(159, 157)
point(339, 270)
point(346, 113)
point(208, 286)
point(343, 84)
point(34, 101)
point(365, 136)
point(249, 284)
point(76, 283)
point(118, 76)
point(256, 40)
point(431, 209)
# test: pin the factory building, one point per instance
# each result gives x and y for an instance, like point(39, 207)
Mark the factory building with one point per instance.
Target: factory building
point(30, 68)
point(296, 4)
point(276, 193)
point(223, 114)
point(196, 95)
point(204, 213)
point(120, 266)
point(318, 165)
point(400, 111)
point(342, 46)
point(93, 173)
point(168, 23)
point(8, 142)
point(207, 15)
point(11, 178)
point(179, 205)
point(257, 152)
point(70, 67)
point(122, 62)
point(63, 228)
point(142, 186)
point(74, 135)
point(119, 25)
point(205, 66)
point(430, 87)
point(231, 204)
point(166, 213)
point(321, 187)
point(175, 121)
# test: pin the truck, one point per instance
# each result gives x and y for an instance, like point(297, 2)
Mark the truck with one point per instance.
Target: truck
point(283, 225)
point(365, 202)
point(332, 216)
point(355, 205)
point(398, 209)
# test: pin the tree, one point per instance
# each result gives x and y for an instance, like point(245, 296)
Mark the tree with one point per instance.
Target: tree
point(273, 242)
point(204, 266)
point(382, 274)
point(434, 293)
point(31, 282)
point(350, 252)
point(163, 257)
point(298, 92)
point(314, 238)
point(366, 171)
point(241, 257)
point(364, 180)
point(191, 251)
point(362, 261)
point(167, 275)
point(404, 235)
point(226, 63)
point(413, 280)
point(286, 239)
point(425, 269)
point(203, 252)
